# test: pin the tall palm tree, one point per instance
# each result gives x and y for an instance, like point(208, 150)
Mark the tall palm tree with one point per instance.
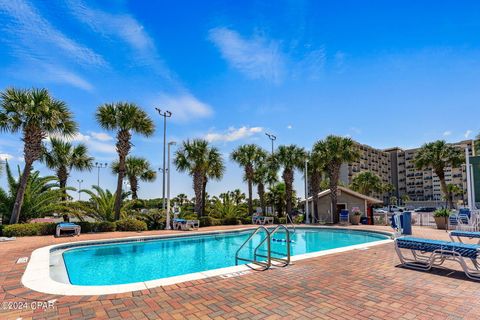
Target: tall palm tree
point(336, 150)
point(215, 171)
point(438, 155)
point(181, 199)
point(265, 173)
point(366, 183)
point(35, 114)
point(63, 157)
point(290, 157)
point(237, 195)
point(126, 118)
point(246, 156)
point(316, 167)
point(196, 157)
point(136, 168)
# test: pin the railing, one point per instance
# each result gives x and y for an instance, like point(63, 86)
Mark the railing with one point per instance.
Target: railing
point(289, 220)
point(283, 261)
point(264, 265)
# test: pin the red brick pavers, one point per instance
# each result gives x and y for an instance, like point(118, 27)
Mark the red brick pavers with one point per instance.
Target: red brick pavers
point(359, 284)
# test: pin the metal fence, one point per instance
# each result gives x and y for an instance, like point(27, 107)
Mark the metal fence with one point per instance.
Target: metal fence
point(424, 219)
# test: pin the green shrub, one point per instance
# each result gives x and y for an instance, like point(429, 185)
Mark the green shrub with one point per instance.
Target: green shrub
point(29, 229)
point(209, 221)
point(298, 219)
point(131, 224)
point(246, 220)
point(1, 229)
point(282, 220)
point(105, 226)
point(230, 221)
point(442, 213)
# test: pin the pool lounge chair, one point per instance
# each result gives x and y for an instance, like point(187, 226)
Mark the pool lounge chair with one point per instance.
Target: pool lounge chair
point(459, 234)
point(71, 229)
point(261, 220)
point(182, 224)
point(428, 253)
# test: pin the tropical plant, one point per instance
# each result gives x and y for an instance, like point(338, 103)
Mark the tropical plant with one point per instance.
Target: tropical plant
point(290, 158)
point(405, 198)
point(125, 118)
point(100, 206)
point(198, 158)
point(453, 191)
point(136, 168)
point(443, 213)
point(265, 173)
point(36, 115)
point(42, 196)
point(237, 195)
point(215, 171)
point(276, 194)
point(336, 151)
point(63, 157)
point(246, 156)
point(439, 155)
point(181, 199)
point(316, 168)
point(366, 183)
point(228, 209)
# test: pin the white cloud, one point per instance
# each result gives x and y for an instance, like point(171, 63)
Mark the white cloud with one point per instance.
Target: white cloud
point(468, 133)
point(102, 136)
point(447, 133)
point(6, 156)
point(233, 134)
point(257, 57)
point(289, 126)
point(34, 36)
point(184, 106)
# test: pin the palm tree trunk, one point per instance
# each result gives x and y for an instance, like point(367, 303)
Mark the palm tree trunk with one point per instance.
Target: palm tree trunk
point(197, 188)
point(17, 207)
point(250, 192)
point(62, 176)
point(261, 195)
point(134, 187)
point(288, 179)
point(123, 147)
point(315, 187)
point(334, 173)
point(443, 186)
point(204, 194)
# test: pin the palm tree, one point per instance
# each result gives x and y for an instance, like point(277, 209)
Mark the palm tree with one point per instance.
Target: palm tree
point(438, 155)
point(215, 171)
point(63, 157)
point(336, 151)
point(265, 173)
point(237, 195)
point(290, 158)
point(136, 168)
point(101, 205)
point(196, 157)
point(366, 183)
point(181, 199)
point(125, 118)
point(246, 156)
point(36, 115)
point(42, 196)
point(316, 167)
point(453, 192)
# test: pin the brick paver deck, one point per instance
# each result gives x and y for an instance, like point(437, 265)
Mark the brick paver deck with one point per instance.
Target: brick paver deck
point(359, 284)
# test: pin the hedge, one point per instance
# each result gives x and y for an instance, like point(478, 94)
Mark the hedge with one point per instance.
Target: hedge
point(29, 229)
point(131, 224)
point(231, 221)
point(209, 221)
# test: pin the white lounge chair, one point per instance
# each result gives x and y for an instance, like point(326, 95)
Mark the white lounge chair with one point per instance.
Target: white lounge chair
point(67, 226)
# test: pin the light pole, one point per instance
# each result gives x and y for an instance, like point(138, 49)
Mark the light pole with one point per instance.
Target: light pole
point(80, 181)
point(307, 206)
point(272, 139)
point(99, 166)
point(167, 227)
point(165, 114)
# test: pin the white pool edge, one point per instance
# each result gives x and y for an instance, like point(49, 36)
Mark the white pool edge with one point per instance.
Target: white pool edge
point(37, 274)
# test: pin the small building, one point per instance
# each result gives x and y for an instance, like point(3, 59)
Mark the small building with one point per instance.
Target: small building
point(346, 199)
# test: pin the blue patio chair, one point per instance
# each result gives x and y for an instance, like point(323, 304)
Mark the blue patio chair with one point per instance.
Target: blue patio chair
point(459, 234)
point(428, 253)
point(344, 216)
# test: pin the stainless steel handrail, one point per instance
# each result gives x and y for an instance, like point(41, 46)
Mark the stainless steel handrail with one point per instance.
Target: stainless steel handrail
point(284, 262)
point(264, 265)
point(291, 221)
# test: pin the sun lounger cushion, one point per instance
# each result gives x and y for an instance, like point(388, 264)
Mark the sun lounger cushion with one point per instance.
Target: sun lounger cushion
point(427, 245)
point(465, 234)
point(67, 224)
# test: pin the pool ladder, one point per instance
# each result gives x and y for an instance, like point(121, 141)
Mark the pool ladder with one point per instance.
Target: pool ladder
point(266, 264)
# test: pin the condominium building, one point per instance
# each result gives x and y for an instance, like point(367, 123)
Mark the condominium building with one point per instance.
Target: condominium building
point(396, 166)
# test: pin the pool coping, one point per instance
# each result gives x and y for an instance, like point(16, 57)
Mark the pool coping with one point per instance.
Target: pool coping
point(37, 274)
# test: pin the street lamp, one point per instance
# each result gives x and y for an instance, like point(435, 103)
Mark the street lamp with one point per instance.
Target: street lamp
point(307, 206)
point(80, 181)
point(272, 139)
point(167, 227)
point(99, 166)
point(165, 114)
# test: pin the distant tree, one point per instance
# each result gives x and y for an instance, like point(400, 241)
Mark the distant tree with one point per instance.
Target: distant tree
point(439, 155)
point(366, 183)
point(236, 195)
point(405, 198)
point(36, 115)
point(316, 168)
point(336, 150)
point(124, 118)
point(290, 158)
point(136, 168)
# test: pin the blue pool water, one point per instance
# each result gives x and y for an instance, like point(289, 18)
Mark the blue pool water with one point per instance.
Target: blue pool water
point(120, 263)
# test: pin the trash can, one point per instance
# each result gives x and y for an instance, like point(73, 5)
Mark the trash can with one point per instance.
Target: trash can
point(406, 221)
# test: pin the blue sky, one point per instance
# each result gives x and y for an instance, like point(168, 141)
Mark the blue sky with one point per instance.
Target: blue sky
point(387, 73)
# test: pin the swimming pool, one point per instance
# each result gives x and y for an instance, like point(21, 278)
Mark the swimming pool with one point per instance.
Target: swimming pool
point(150, 259)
